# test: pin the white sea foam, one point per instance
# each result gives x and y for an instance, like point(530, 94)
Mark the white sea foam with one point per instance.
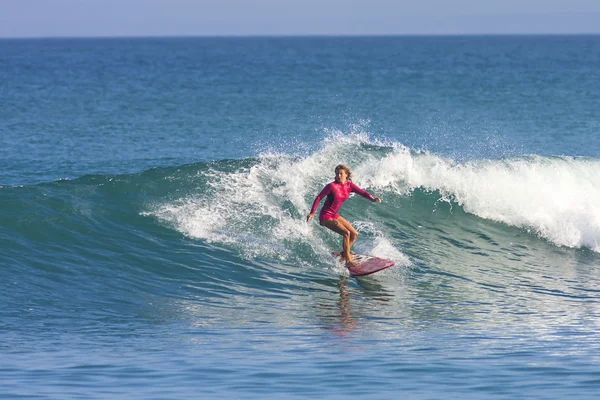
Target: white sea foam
point(263, 209)
point(557, 197)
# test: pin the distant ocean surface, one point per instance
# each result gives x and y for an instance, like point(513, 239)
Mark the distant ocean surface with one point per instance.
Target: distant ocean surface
point(153, 196)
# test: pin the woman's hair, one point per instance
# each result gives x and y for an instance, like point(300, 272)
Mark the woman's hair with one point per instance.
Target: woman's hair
point(345, 168)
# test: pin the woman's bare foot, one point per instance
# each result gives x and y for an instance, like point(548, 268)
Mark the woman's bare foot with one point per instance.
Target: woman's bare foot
point(350, 263)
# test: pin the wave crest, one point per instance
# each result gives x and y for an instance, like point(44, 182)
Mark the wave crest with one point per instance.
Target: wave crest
point(556, 197)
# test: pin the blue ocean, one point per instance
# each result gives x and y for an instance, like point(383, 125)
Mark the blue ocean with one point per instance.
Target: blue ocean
point(153, 202)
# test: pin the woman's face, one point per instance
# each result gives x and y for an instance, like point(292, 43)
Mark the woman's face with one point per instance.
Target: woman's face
point(340, 175)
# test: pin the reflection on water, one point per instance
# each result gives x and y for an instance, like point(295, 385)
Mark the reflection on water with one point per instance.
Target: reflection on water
point(346, 312)
point(346, 322)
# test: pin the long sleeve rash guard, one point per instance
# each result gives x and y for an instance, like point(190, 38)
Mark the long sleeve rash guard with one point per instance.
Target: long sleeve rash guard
point(337, 194)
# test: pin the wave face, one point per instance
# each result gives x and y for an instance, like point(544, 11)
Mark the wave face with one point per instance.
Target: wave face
point(255, 208)
point(231, 217)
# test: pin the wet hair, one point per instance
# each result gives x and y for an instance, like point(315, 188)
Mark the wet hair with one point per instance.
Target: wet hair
point(346, 169)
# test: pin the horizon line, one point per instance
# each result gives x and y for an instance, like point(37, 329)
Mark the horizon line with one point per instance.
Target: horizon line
point(298, 35)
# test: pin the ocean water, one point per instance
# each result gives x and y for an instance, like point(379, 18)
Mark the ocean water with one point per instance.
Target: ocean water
point(153, 196)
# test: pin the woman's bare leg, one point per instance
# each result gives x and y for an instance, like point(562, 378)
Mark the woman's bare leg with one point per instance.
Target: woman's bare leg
point(339, 228)
point(350, 228)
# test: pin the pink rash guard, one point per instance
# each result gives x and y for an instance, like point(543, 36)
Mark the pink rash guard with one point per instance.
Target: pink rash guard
point(337, 194)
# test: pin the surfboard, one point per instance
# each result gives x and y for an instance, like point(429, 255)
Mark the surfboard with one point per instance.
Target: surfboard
point(367, 264)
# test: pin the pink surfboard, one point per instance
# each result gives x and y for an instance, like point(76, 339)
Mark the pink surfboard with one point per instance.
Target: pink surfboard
point(367, 264)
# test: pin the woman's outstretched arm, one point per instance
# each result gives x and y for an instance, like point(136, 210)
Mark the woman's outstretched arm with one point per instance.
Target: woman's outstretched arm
point(364, 193)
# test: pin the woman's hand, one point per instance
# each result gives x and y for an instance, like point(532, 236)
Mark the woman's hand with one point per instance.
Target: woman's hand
point(309, 217)
point(377, 200)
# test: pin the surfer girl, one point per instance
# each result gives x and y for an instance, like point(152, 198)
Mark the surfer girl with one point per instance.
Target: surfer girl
point(337, 193)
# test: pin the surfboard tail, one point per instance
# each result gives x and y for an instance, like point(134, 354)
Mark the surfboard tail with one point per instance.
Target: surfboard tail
point(367, 264)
